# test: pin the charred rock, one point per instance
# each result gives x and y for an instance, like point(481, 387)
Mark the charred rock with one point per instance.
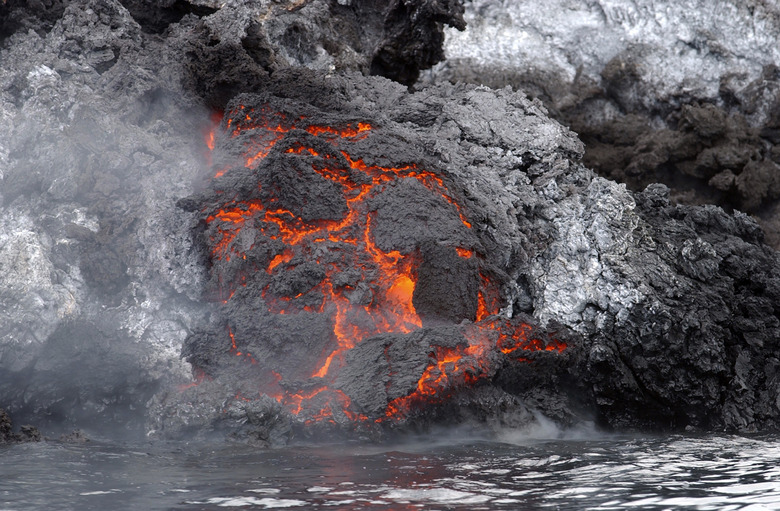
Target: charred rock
point(7, 435)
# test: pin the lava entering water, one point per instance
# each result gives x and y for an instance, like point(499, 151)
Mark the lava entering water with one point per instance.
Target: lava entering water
point(365, 288)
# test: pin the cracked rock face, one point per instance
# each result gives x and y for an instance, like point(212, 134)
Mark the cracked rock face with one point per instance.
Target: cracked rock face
point(338, 253)
point(355, 268)
point(640, 298)
point(684, 93)
point(103, 106)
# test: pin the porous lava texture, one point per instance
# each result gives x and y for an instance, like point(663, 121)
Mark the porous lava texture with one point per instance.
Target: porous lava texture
point(354, 288)
point(103, 105)
point(681, 92)
point(383, 260)
point(332, 252)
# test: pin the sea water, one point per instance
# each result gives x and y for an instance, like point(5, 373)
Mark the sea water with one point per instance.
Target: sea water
point(436, 472)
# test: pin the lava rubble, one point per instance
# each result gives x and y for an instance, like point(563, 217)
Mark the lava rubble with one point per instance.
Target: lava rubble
point(616, 277)
point(101, 101)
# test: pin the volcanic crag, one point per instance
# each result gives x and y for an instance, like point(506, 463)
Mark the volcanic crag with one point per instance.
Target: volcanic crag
point(384, 259)
point(681, 92)
point(354, 288)
point(332, 252)
point(102, 104)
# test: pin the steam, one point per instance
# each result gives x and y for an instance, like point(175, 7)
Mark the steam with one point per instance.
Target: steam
point(528, 432)
point(100, 282)
point(544, 428)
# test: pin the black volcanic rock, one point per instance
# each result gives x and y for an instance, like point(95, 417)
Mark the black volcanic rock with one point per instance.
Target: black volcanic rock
point(492, 276)
point(7, 435)
point(414, 37)
point(648, 298)
point(327, 223)
point(104, 105)
point(709, 327)
point(6, 428)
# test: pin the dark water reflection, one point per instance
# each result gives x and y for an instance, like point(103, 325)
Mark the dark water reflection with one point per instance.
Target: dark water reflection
point(713, 472)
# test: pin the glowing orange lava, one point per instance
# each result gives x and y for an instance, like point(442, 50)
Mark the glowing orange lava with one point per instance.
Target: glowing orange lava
point(388, 305)
point(209, 134)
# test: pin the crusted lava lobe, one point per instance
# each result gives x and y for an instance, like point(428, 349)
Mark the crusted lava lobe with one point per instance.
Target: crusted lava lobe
point(353, 288)
point(383, 259)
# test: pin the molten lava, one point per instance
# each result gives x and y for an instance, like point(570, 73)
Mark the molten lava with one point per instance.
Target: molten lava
point(386, 303)
point(210, 133)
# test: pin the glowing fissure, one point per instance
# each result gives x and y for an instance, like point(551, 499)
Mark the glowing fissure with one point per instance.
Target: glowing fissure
point(454, 368)
point(392, 274)
point(210, 132)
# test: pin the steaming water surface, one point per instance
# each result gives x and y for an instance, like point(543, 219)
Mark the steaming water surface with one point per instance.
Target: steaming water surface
point(712, 472)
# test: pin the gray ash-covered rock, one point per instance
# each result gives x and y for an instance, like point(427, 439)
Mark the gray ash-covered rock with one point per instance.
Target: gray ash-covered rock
point(98, 282)
point(250, 41)
point(684, 93)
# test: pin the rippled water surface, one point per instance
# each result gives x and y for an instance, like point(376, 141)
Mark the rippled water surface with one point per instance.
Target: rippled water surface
point(713, 472)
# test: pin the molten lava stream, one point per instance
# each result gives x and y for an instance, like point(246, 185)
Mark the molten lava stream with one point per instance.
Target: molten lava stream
point(391, 311)
point(461, 366)
point(453, 368)
point(396, 282)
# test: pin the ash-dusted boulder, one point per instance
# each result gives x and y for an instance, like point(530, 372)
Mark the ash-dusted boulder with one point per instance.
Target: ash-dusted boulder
point(685, 93)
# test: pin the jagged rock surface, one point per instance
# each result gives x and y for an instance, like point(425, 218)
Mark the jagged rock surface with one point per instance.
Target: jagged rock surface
point(98, 285)
point(102, 106)
point(669, 313)
point(673, 309)
point(684, 93)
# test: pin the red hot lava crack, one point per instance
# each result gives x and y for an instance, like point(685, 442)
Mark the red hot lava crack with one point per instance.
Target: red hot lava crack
point(391, 309)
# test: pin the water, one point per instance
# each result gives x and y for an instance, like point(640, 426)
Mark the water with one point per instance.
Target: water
point(710, 472)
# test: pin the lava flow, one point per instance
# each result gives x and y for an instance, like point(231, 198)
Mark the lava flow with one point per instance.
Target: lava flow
point(317, 251)
point(454, 368)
